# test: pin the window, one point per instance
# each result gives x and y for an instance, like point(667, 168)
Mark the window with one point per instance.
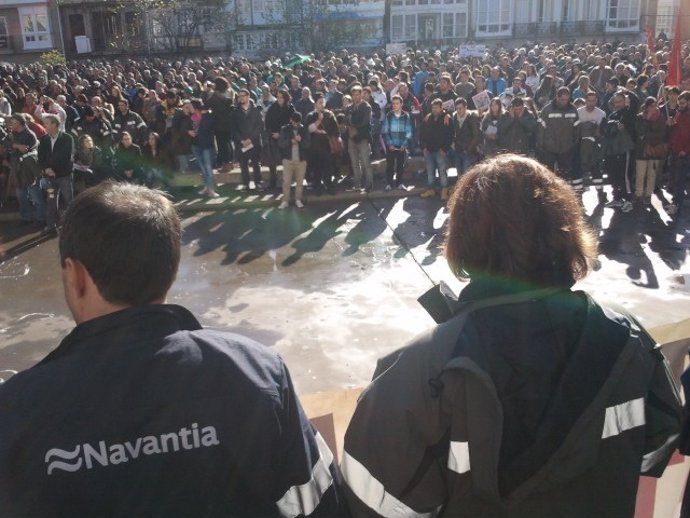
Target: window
point(454, 25)
point(133, 23)
point(4, 37)
point(448, 25)
point(494, 17)
point(428, 25)
point(461, 25)
point(396, 2)
point(238, 42)
point(35, 28)
point(244, 13)
point(269, 11)
point(397, 27)
point(111, 26)
point(410, 27)
point(623, 14)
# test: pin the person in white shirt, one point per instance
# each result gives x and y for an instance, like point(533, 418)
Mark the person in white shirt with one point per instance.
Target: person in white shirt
point(48, 106)
point(590, 117)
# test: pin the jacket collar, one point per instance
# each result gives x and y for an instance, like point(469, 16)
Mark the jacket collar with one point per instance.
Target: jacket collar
point(140, 322)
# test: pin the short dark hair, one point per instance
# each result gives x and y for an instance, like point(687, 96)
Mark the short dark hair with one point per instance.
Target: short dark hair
point(512, 217)
point(221, 84)
point(396, 98)
point(461, 100)
point(285, 94)
point(437, 102)
point(296, 117)
point(128, 239)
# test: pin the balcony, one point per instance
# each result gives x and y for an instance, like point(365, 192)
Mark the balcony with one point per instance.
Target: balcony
point(582, 28)
point(535, 29)
point(566, 29)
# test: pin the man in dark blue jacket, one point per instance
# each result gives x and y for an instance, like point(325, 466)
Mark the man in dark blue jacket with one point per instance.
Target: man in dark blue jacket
point(141, 412)
point(56, 159)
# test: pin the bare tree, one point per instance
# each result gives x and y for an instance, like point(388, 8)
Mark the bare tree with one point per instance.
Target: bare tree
point(176, 25)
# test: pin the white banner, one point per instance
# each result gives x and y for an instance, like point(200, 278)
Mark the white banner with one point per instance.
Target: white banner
point(471, 51)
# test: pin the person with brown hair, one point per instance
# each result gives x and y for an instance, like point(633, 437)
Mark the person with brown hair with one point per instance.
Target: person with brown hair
point(529, 399)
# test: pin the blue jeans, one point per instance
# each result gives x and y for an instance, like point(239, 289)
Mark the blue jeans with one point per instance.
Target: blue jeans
point(32, 204)
point(204, 158)
point(436, 160)
point(463, 161)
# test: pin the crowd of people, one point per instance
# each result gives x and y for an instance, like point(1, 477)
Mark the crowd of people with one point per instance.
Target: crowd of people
point(597, 113)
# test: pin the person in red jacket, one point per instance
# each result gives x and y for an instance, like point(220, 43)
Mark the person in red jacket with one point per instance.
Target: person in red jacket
point(680, 152)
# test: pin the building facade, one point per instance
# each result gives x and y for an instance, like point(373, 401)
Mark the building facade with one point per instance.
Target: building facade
point(101, 28)
point(264, 26)
point(446, 22)
point(28, 28)
point(256, 28)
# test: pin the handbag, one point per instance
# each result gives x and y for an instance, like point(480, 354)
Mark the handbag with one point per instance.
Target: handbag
point(656, 151)
point(335, 143)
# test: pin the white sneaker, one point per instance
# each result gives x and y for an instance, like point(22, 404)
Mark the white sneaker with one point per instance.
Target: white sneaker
point(627, 206)
point(212, 194)
point(204, 190)
point(299, 204)
point(241, 187)
point(402, 187)
point(283, 205)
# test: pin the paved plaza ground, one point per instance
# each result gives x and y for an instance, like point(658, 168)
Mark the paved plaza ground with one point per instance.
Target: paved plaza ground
point(333, 286)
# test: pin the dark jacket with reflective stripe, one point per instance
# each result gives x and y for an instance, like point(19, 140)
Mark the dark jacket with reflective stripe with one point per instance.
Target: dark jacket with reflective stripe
point(523, 404)
point(558, 131)
point(144, 413)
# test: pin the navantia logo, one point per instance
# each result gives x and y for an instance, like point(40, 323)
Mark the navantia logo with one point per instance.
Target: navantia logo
point(110, 454)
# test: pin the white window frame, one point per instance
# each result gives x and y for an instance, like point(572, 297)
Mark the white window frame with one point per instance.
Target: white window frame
point(4, 32)
point(623, 15)
point(488, 26)
point(35, 39)
point(411, 34)
point(397, 27)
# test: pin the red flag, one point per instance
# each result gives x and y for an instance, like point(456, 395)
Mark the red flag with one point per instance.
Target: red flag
point(651, 46)
point(673, 76)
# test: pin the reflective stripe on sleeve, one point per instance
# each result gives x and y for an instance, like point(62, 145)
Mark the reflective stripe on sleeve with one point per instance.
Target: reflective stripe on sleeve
point(303, 499)
point(623, 417)
point(459, 457)
point(372, 493)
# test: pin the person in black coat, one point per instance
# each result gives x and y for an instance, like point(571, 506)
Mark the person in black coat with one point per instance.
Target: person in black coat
point(247, 128)
point(277, 116)
point(128, 160)
point(55, 158)
point(221, 105)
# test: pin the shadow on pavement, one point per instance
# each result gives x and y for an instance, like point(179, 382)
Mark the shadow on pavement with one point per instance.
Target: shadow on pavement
point(625, 236)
